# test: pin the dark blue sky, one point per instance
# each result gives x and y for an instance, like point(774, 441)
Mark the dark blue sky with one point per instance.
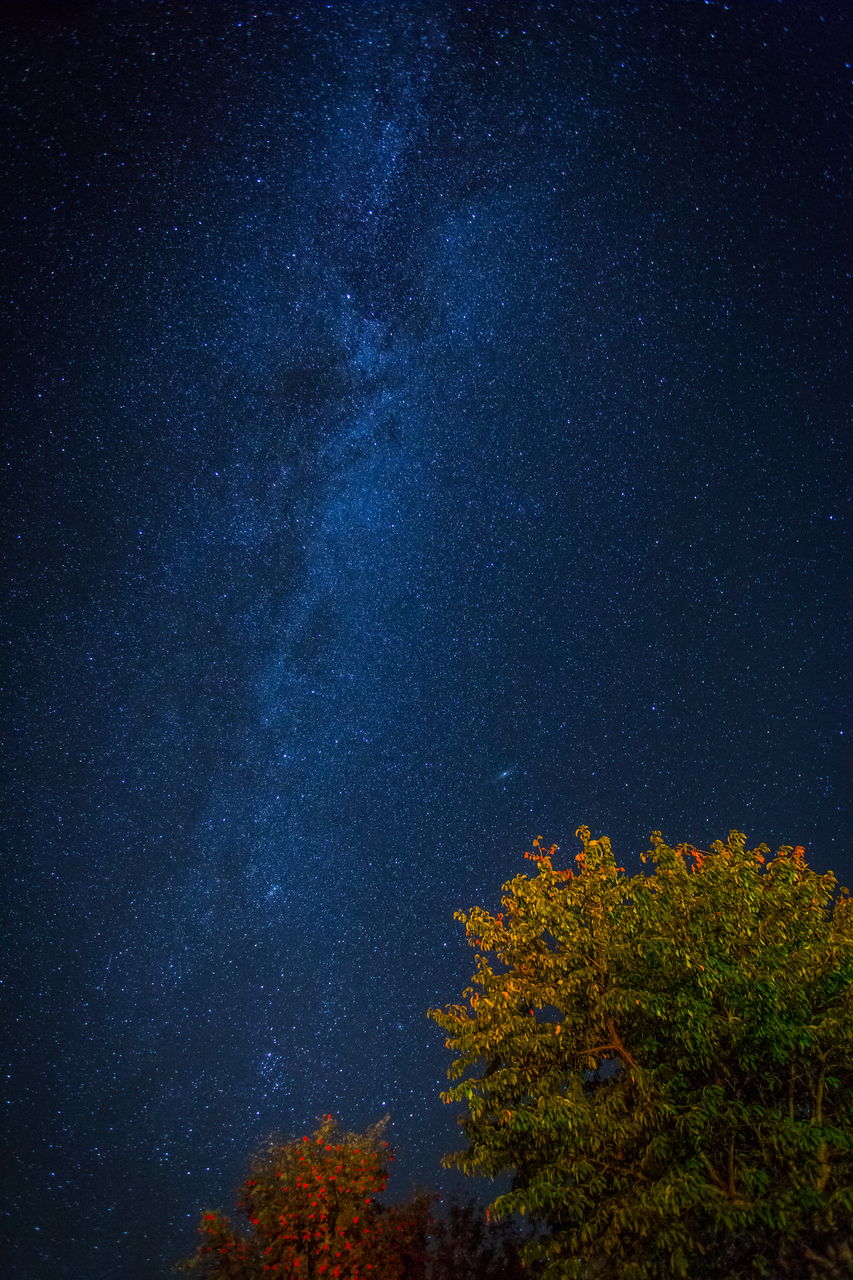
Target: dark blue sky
point(424, 432)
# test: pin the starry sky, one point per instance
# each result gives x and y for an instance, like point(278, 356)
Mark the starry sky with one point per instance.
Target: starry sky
point(424, 431)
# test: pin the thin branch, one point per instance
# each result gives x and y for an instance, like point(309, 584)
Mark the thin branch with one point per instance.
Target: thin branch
point(619, 1047)
point(712, 1173)
point(596, 1048)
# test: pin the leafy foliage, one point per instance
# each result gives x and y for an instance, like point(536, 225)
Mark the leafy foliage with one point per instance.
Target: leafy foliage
point(311, 1212)
point(664, 1062)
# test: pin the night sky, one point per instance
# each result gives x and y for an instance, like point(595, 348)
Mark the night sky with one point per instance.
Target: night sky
point(424, 431)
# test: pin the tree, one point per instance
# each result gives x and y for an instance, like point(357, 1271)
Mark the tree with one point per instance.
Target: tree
point(664, 1062)
point(465, 1245)
point(311, 1212)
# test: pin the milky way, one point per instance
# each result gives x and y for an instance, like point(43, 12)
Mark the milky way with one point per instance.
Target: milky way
point(426, 431)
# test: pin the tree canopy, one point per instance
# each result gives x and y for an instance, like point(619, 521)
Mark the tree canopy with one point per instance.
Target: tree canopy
point(664, 1062)
point(310, 1211)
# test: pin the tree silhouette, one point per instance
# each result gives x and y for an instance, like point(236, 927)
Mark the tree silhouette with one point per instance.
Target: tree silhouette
point(465, 1245)
point(664, 1062)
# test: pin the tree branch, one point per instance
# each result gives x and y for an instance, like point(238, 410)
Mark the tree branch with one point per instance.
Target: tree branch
point(620, 1048)
point(712, 1173)
point(596, 1048)
point(615, 1046)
